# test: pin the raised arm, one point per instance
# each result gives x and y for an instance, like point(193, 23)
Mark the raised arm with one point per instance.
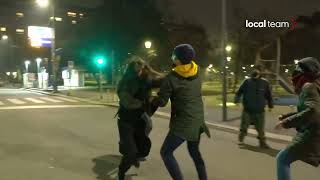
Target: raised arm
point(311, 103)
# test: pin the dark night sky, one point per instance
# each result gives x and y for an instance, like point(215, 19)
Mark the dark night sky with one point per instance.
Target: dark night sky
point(208, 12)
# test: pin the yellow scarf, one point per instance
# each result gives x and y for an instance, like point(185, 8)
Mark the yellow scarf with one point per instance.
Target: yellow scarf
point(187, 70)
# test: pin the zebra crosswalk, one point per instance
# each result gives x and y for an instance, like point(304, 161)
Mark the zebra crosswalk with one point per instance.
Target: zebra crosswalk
point(36, 100)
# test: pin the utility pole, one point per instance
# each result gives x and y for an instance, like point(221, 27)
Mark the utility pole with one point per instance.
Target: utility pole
point(53, 49)
point(224, 60)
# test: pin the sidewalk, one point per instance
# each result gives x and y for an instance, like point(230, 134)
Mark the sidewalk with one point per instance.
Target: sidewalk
point(213, 114)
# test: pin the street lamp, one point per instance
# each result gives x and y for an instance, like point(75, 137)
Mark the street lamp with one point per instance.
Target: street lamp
point(229, 59)
point(228, 48)
point(4, 37)
point(27, 63)
point(43, 3)
point(148, 44)
point(38, 60)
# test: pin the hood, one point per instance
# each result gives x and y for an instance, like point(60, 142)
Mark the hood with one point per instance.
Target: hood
point(309, 66)
point(187, 70)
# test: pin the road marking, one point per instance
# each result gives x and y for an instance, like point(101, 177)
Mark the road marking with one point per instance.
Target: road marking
point(34, 100)
point(50, 107)
point(50, 99)
point(66, 99)
point(16, 101)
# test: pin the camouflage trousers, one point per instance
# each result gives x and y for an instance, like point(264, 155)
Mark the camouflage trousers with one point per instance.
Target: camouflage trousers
point(256, 119)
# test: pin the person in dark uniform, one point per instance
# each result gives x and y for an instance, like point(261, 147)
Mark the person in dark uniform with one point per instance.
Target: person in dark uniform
point(256, 92)
point(134, 91)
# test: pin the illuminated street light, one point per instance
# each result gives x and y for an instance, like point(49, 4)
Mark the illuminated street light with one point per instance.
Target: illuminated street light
point(296, 61)
point(243, 68)
point(4, 37)
point(210, 66)
point(27, 63)
point(229, 59)
point(252, 65)
point(148, 44)
point(43, 3)
point(287, 70)
point(228, 48)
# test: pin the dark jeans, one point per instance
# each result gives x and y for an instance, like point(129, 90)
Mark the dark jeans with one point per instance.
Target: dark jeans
point(170, 144)
point(284, 160)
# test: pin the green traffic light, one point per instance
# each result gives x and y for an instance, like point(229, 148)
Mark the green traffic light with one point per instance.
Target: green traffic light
point(100, 61)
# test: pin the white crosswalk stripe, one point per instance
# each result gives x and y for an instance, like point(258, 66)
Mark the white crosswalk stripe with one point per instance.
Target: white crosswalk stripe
point(35, 100)
point(16, 101)
point(66, 99)
point(50, 99)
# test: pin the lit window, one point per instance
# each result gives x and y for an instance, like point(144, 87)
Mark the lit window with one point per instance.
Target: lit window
point(20, 31)
point(72, 14)
point(57, 18)
point(3, 29)
point(19, 14)
point(74, 22)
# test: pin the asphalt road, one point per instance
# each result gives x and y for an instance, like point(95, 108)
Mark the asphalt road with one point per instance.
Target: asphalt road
point(78, 141)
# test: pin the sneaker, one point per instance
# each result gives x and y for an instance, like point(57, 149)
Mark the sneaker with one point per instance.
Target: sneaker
point(264, 145)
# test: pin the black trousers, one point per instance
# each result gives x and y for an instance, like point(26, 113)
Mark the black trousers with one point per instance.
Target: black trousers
point(133, 144)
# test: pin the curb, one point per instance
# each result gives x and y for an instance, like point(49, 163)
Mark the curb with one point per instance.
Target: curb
point(226, 128)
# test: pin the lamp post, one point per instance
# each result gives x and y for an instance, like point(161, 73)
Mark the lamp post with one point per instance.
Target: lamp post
point(51, 5)
point(224, 38)
point(27, 63)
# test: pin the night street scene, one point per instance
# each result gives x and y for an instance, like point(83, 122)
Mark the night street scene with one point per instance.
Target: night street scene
point(159, 90)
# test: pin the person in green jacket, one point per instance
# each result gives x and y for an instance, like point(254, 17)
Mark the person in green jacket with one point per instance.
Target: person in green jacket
point(183, 87)
point(306, 144)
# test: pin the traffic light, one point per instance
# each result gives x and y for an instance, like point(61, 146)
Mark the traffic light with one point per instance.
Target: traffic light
point(100, 61)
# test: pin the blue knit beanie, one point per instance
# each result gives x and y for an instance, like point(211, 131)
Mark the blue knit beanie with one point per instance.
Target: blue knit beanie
point(185, 53)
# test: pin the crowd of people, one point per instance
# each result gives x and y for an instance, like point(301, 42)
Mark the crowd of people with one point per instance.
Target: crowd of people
point(182, 86)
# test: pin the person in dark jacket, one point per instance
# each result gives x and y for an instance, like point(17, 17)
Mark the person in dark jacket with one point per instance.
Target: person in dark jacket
point(306, 144)
point(256, 92)
point(183, 87)
point(134, 91)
